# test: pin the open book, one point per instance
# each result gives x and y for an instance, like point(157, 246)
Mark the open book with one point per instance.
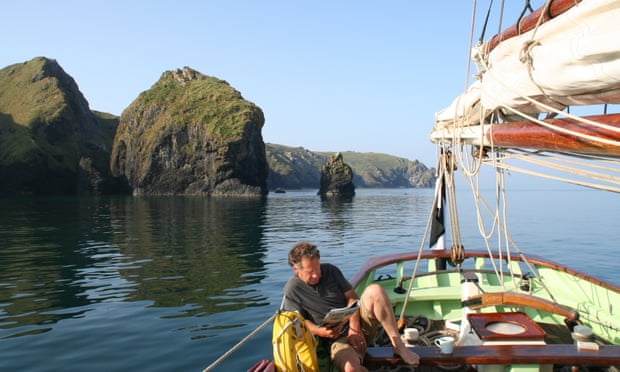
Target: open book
point(341, 314)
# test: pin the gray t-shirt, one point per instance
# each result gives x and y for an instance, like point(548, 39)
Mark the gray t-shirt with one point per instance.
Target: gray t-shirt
point(313, 302)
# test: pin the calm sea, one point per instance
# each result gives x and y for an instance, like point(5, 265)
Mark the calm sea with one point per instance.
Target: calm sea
point(172, 283)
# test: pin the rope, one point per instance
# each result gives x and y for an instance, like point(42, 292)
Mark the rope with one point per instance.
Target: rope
point(457, 253)
point(597, 172)
point(590, 174)
point(239, 344)
point(562, 179)
point(401, 319)
point(501, 224)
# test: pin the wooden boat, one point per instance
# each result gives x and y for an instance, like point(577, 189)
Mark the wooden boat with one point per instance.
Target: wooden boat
point(507, 310)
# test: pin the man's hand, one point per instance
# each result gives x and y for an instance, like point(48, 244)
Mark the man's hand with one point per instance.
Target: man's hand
point(357, 340)
point(332, 331)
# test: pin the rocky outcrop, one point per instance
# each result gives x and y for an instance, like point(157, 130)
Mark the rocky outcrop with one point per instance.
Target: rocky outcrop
point(336, 178)
point(191, 134)
point(293, 168)
point(50, 141)
point(300, 168)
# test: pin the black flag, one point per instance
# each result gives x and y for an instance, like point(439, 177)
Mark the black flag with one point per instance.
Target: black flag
point(437, 224)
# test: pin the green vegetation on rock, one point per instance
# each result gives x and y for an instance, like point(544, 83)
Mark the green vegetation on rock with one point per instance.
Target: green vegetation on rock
point(191, 97)
point(50, 141)
point(191, 134)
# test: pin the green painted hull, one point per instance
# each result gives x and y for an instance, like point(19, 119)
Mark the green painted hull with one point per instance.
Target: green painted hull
point(436, 295)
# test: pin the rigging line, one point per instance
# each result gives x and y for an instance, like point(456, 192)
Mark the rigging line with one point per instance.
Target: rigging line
point(562, 179)
point(581, 172)
point(501, 17)
point(480, 220)
point(471, 42)
point(498, 208)
point(506, 234)
point(468, 167)
point(541, 17)
point(578, 169)
point(525, 7)
point(451, 201)
point(239, 344)
point(486, 22)
point(501, 209)
point(504, 230)
point(600, 162)
point(568, 115)
point(469, 170)
point(517, 248)
point(425, 236)
point(591, 174)
point(572, 159)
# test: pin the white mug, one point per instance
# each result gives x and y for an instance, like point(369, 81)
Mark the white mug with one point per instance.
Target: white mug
point(446, 344)
point(411, 335)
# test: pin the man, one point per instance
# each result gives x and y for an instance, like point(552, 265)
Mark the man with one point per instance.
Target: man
point(316, 288)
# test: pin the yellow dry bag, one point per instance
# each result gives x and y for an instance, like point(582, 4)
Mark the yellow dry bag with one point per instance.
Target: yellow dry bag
point(294, 347)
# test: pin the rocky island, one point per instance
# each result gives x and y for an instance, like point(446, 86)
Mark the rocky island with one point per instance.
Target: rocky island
point(189, 134)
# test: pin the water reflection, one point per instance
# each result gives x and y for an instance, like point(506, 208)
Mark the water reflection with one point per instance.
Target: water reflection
point(37, 264)
point(193, 250)
point(61, 256)
point(337, 211)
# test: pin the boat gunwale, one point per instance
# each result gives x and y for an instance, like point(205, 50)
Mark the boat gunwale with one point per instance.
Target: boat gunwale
point(388, 259)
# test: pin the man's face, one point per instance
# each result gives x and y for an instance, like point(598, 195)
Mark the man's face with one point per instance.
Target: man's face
point(309, 271)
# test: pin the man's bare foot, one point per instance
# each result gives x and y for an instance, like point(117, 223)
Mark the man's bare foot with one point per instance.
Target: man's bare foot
point(409, 357)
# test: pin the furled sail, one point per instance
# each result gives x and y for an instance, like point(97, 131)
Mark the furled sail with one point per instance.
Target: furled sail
point(573, 59)
point(560, 59)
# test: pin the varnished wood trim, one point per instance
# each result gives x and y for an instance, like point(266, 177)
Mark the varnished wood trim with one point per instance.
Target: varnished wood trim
point(521, 299)
point(529, 21)
point(563, 354)
point(525, 134)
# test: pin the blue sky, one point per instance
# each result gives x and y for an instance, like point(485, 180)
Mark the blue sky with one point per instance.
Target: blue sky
point(362, 76)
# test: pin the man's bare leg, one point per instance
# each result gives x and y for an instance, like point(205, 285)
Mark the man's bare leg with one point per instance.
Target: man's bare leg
point(378, 304)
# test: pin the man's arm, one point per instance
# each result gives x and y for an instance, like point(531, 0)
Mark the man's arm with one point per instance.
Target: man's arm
point(355, 335)
point(325, 332)
point(335, 331)
point(354, 321)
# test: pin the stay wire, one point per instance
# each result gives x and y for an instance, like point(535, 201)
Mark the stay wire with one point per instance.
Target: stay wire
point(425, 236)
point(245, 339)
point(240, 343)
